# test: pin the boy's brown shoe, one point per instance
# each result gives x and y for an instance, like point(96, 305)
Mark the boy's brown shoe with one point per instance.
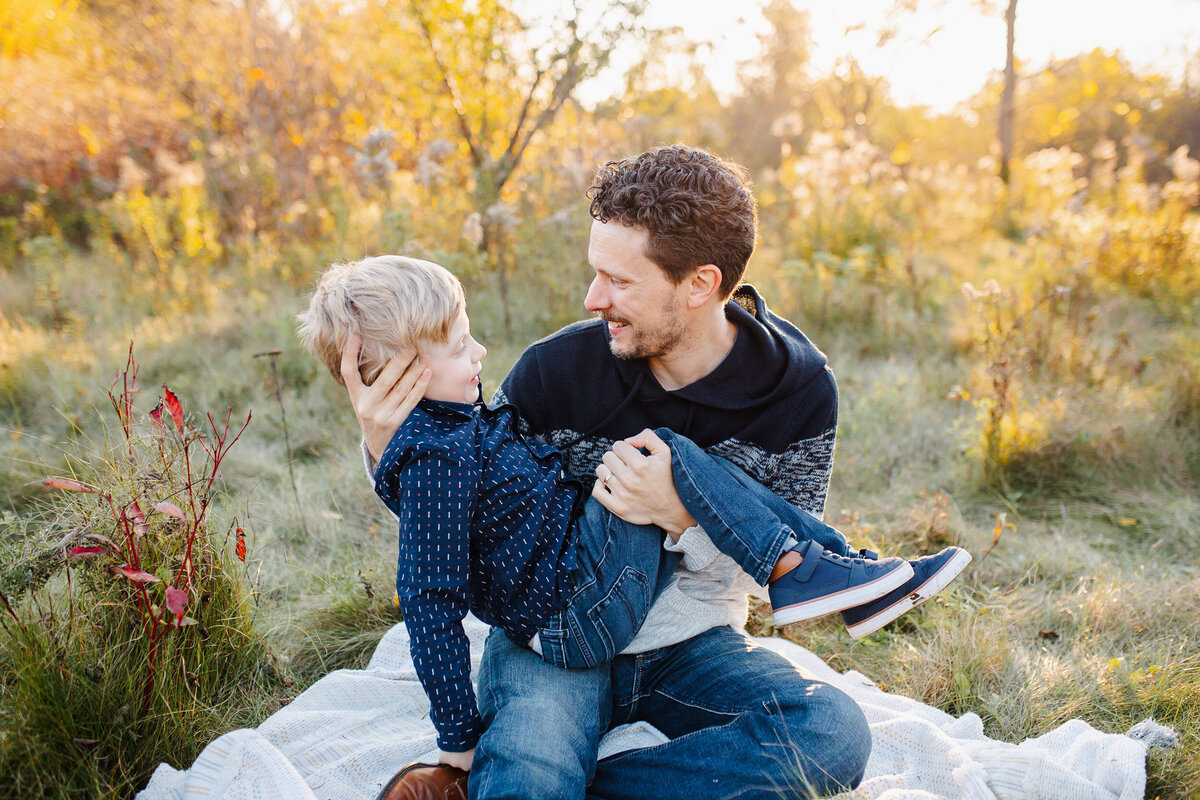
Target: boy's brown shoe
point(420, 781)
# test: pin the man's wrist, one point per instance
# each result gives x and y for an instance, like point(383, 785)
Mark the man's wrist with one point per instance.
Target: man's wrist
point(679, 522)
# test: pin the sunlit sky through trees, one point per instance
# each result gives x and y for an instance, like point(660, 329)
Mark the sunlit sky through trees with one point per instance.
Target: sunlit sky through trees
point(943, 53)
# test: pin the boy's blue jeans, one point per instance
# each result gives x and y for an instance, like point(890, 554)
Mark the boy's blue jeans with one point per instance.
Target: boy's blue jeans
point(622, 568)
point(743, 721)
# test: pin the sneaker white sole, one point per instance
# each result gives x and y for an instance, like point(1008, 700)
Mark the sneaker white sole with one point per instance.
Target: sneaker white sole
point(937, 581)
point(846, 598)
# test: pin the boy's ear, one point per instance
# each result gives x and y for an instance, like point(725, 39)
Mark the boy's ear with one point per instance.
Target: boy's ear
point(703, 285)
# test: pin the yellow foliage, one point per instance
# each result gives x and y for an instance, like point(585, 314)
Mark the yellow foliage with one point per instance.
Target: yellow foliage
point(89, 139)
point(27, 26)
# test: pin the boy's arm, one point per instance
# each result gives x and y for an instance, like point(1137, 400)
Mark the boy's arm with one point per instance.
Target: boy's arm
point(432, 495)
point(441, 655)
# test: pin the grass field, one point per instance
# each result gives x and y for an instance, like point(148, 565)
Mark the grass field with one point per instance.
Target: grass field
point(1049, 422)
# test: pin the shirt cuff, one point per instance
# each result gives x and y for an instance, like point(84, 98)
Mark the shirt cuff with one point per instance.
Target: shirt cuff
point(462, 740)
point(368, 461)
point(698, 550)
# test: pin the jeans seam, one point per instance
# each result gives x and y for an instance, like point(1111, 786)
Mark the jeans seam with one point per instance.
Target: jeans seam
point(575, 631)
point(691, 703)
point(629, 578)
point(553, 652)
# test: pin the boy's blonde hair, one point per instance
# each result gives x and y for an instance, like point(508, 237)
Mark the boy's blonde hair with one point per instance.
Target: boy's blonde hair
point(393, 303)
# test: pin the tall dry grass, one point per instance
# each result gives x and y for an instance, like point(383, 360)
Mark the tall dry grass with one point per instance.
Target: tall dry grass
point(1046, 420)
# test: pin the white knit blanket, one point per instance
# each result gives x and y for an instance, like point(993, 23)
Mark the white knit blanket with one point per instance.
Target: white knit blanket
point(350, 731)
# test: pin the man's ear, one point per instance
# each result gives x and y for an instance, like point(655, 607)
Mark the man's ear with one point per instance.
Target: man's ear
point(704, 284)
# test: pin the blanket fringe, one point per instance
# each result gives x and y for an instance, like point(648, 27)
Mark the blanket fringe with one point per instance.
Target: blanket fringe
point(1153, 735)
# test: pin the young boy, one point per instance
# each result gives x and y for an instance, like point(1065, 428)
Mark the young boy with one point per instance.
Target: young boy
point(489, 523)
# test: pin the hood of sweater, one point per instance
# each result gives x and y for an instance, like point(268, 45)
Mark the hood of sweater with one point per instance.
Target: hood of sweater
point(770, 359)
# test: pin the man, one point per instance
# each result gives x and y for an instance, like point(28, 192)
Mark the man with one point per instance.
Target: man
point(674, 346)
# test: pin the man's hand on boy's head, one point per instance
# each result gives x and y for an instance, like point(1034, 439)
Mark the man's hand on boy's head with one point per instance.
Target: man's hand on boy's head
point(382, 407)
point(638, 487)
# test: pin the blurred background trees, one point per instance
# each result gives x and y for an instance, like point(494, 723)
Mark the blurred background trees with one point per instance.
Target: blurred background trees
point(245, 121)
point(189, 146)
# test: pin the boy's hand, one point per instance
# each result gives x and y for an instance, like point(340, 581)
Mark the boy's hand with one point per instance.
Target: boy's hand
point(460, 760)
point(384, 405)
point(640, 488)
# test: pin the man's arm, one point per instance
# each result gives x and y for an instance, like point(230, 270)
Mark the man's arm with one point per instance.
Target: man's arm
point(801, 473)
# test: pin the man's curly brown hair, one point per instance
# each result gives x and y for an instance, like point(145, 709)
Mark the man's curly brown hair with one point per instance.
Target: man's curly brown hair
point(697, 209)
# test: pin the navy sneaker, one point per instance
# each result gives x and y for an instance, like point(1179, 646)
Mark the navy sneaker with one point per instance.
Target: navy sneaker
point(825, 582)
point(931, 574)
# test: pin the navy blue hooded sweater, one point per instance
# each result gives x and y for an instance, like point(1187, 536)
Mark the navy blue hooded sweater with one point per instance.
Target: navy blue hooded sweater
point(770, 406)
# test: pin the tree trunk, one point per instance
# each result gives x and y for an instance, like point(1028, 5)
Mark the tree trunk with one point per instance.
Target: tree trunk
point(494, 242)
point(1006, 98)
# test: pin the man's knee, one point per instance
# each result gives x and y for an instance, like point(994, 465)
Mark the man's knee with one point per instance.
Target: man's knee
point(541, 725)
point(825, 742)
point(534, 749)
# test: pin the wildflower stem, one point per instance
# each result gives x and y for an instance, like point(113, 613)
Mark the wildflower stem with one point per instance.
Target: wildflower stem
point(11, 613)
point(272, 357)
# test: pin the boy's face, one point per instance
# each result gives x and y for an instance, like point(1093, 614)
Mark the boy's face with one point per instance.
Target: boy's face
point(456, 365)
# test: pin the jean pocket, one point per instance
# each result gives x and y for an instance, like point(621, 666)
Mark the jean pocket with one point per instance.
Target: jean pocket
point(617, 616)
point(553, 644)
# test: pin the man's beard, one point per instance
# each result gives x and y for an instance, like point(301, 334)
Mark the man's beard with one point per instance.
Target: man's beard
point(650, 344)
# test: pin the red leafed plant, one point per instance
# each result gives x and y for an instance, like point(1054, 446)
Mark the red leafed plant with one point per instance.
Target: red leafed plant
point(127, 628)
point(163, 559)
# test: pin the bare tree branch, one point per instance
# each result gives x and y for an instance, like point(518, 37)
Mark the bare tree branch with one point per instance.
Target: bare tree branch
point(460, 111)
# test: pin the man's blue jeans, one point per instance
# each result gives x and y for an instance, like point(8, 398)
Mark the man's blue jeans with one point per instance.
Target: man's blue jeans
point(743, 721)
point(622, 568)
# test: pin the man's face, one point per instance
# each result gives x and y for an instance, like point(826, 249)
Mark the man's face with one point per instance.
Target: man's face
point(643, 309)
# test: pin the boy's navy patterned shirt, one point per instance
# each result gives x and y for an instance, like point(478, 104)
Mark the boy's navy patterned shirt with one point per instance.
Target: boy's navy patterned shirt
point(485, 525)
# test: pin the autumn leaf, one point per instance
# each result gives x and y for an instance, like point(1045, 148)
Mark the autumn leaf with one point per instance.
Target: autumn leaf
point(136, 575)
point(68, 485)
point(156, 415)
point(87, 551)
point(171, 510)
point(134, 513)
point(174, 408)
point(240, 547)
point(177, 600)
point(79, 534)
